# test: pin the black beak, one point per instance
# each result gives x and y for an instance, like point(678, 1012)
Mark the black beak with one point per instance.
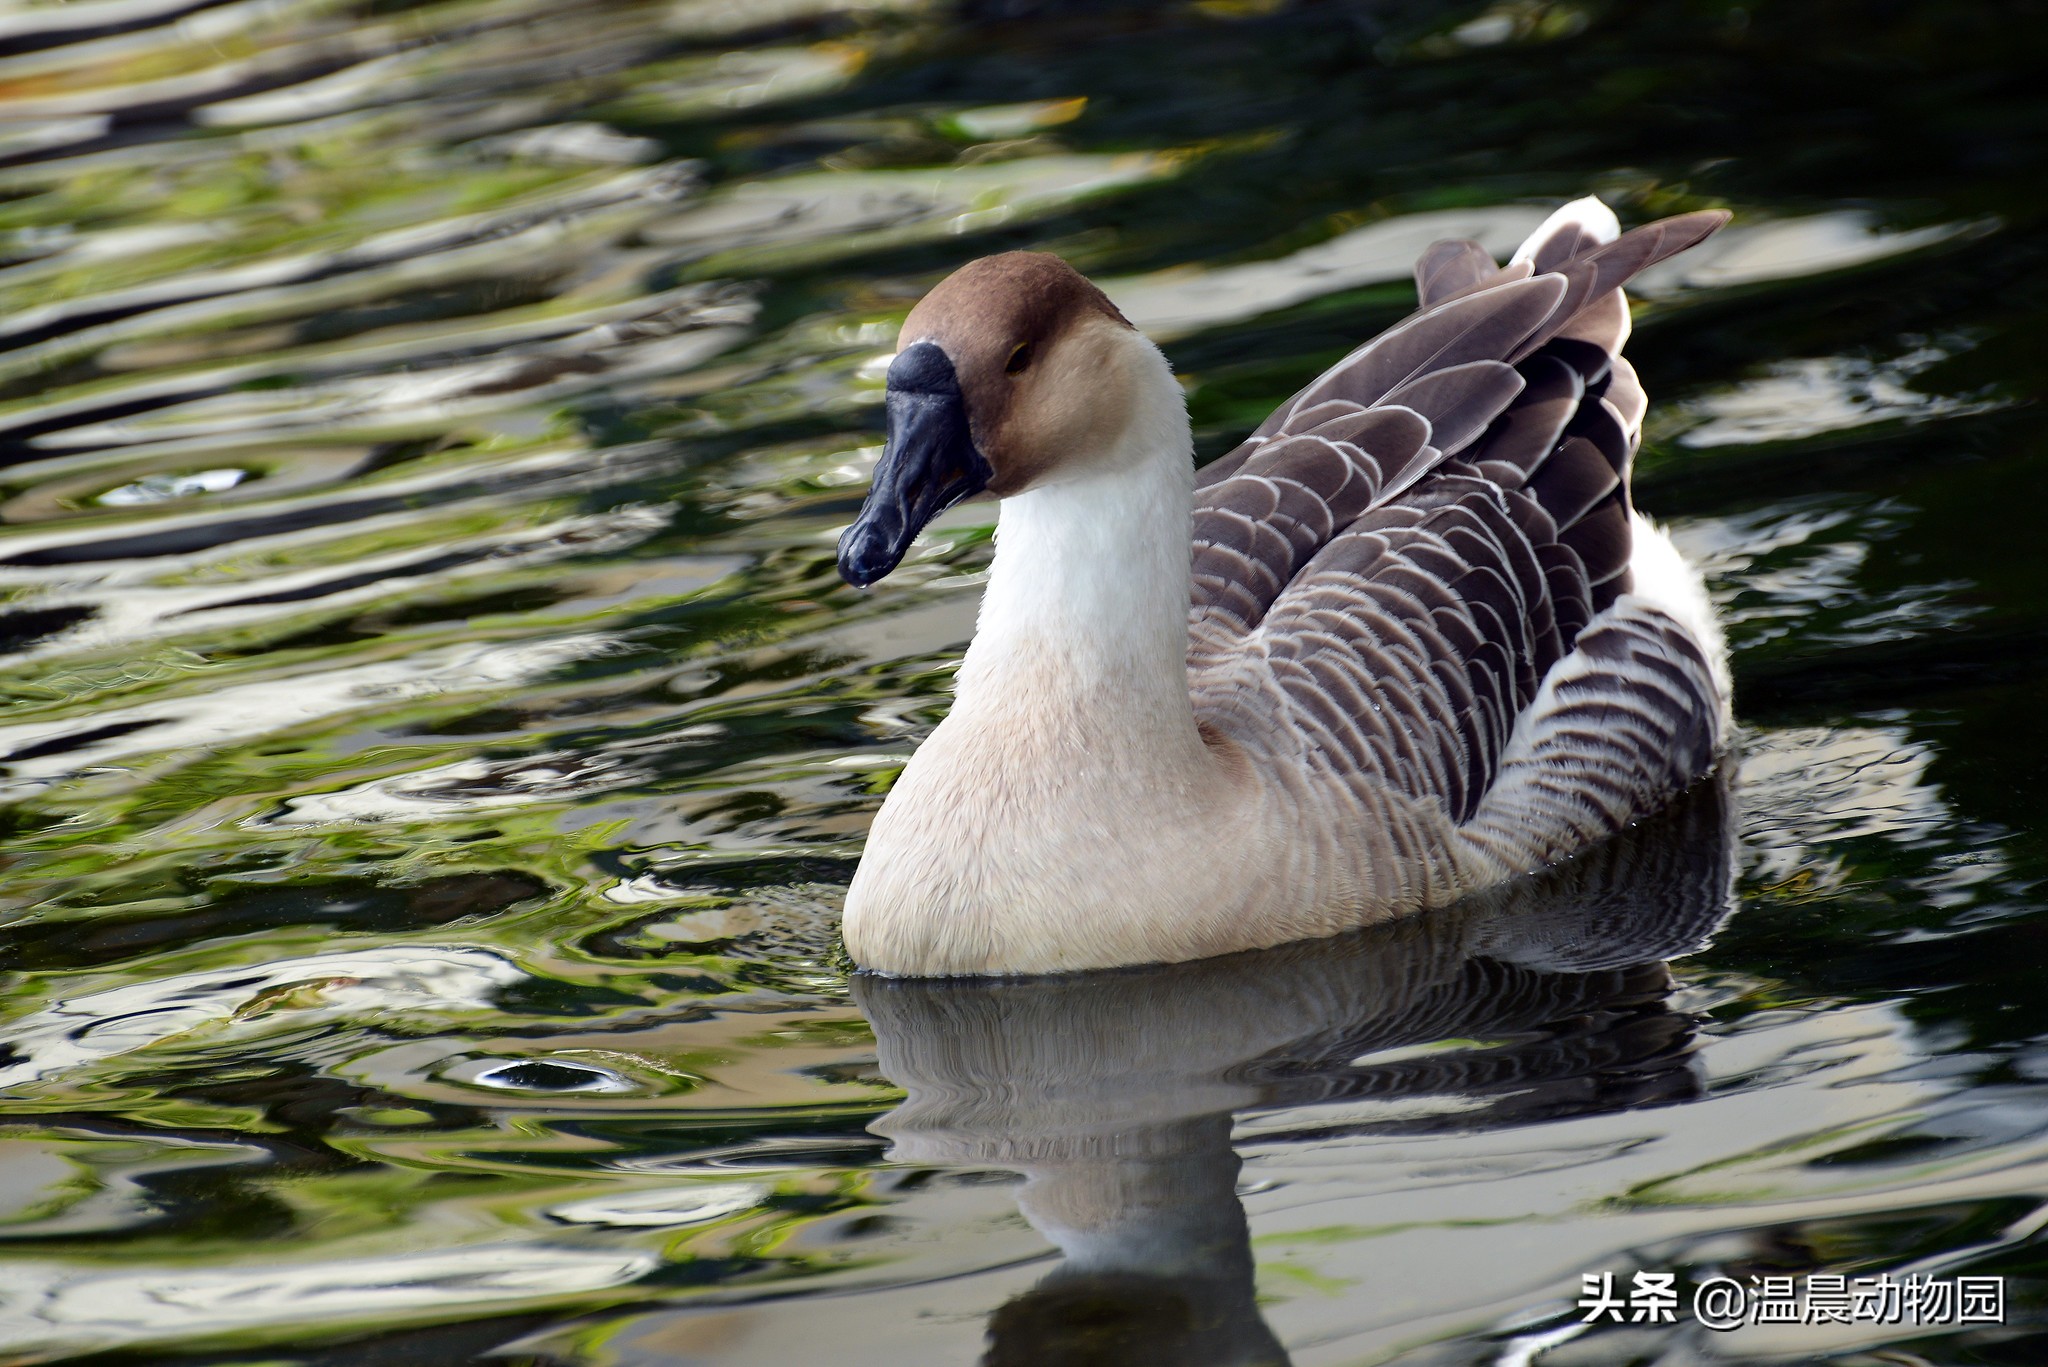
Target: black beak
point(928, 464)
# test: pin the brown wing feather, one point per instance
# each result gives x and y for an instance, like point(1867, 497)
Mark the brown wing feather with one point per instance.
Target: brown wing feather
point(1391, 566)
point(1449, 268)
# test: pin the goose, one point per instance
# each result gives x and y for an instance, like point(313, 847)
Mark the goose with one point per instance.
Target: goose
point(1409, 641)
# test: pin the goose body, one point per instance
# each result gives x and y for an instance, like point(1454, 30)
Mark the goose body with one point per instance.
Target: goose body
point(1409, 641)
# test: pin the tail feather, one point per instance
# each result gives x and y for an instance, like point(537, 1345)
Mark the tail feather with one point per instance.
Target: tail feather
point(1595, 448)
point(1574, 230)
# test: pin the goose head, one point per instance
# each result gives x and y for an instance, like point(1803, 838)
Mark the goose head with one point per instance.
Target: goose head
point(1014, 372)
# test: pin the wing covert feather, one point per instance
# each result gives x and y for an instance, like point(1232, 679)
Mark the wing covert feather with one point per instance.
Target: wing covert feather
point(1423, 549)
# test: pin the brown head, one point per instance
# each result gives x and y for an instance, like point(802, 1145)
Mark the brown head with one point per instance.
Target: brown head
point(1004, 375)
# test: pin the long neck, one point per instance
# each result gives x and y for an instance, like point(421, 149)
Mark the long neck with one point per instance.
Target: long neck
point(1086, 611)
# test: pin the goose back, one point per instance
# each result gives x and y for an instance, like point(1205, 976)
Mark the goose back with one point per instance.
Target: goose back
point(1418, 569)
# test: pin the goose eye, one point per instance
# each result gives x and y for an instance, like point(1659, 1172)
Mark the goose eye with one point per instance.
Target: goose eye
point(1019, 358)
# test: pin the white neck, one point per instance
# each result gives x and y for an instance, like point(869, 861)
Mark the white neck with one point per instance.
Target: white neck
point(1071, 751)
point(1086, 611)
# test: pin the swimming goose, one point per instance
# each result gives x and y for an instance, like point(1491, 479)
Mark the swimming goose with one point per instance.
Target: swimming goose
point(1409, 641)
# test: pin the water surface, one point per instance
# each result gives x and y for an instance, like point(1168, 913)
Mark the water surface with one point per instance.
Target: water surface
point(435, 740)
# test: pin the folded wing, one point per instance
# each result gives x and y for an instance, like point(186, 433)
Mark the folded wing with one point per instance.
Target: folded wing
point(1387, 571)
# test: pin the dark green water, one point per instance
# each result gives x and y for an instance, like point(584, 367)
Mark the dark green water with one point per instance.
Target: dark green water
point(435, 739)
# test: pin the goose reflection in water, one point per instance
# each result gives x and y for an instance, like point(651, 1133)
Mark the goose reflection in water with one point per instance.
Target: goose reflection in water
point(1113, 1093)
